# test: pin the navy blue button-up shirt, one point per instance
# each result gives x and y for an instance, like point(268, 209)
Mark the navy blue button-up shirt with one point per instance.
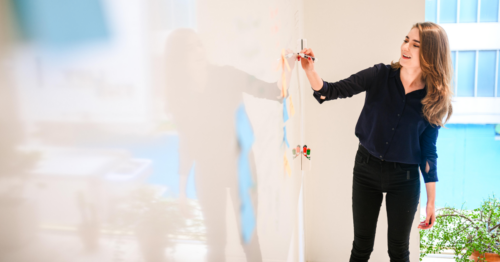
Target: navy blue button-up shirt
point(391, 125)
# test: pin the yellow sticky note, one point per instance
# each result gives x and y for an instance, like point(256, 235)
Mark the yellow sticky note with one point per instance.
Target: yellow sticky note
point(292, 109)
point(283, 86)
point(287, 165)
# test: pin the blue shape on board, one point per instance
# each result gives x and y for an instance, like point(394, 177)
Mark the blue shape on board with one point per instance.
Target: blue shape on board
point(284, 137)
point(285, 111)
point(248, 220)
point(246, 138)
point(60, 23)
point(244, 129)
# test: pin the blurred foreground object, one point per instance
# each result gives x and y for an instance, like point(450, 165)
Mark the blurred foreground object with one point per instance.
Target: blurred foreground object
point(58, 23)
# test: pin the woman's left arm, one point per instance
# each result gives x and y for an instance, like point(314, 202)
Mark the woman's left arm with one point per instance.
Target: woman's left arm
point(428, 167)
point(430, 208)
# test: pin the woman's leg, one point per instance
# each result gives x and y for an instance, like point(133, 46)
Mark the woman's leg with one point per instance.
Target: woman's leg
point(366, 201)
point(403, 196)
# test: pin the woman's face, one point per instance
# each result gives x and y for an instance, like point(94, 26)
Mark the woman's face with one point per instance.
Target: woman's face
point(411, 48)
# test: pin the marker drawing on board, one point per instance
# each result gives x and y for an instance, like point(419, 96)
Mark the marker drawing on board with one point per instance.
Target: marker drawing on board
point(302, 43)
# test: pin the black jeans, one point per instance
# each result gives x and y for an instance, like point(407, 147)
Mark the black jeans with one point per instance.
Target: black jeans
point(401, 182)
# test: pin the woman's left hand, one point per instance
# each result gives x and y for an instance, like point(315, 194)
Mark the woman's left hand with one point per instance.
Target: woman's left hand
point(430, 218)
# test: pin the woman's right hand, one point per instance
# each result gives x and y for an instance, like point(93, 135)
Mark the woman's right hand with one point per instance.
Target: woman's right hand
point(307, 64)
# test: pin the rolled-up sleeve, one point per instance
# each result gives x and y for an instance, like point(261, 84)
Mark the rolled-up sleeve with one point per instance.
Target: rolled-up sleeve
point(429, 153)
point(354, 84)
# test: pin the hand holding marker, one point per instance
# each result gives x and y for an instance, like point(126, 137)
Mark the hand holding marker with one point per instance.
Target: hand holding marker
point(308, 61)
point(301, 55)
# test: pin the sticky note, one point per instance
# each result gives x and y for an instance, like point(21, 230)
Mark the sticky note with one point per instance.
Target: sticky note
point(282, 63)
point(285, 111)
point(292, 108)
point(284, 137)
point(283, 86)
point(287, 165)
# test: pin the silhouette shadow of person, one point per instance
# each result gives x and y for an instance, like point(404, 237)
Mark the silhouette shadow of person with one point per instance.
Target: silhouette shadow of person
point(202, 99)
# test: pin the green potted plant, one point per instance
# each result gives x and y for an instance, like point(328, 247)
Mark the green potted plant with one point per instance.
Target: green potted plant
point(474, 235)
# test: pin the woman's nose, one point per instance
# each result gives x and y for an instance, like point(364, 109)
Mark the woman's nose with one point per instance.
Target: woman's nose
point(406, 47)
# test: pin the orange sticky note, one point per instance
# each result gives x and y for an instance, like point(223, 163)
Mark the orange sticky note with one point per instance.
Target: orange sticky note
point(283, 86)
point(292, 109)
point(287, 165)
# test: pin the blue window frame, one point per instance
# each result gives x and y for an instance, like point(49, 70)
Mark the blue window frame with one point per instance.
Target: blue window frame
point(453, 58)
point(498, 74)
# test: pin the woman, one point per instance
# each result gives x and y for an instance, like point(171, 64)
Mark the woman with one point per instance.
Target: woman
point(397, 129)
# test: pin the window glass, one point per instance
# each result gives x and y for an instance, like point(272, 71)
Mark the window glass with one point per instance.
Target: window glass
point(431, 10)
point(486, 73)
point(466, 73)
point(468, 11)
point(489, 11)
point(447, 11)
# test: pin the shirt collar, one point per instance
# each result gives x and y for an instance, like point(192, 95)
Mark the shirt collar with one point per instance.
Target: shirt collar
point(396, 73)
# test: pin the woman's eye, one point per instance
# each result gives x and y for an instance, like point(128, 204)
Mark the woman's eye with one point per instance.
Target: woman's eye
point(413, 45)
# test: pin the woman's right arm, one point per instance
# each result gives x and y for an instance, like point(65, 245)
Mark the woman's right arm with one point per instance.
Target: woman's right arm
point(308, 66)
point(354, 84)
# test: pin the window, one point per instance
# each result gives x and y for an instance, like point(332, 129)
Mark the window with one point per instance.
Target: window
point(486, 73)
point(448, 11)
point(476, 73)
point(462, 11)
point(468, 11)
point(469, 146)
point(466, 73)
point(489, 11)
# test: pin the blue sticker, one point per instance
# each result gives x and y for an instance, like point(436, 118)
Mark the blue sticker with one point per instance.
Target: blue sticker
point(284, 137)
point(245, 139)
point(285, 111)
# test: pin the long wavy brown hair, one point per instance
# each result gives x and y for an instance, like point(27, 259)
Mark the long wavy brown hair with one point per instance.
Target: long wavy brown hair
point(437, 72)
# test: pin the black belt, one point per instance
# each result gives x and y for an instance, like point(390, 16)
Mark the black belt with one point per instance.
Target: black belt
point(372, 157)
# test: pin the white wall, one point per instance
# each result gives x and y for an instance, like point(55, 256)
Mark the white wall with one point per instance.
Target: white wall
point(346, 36)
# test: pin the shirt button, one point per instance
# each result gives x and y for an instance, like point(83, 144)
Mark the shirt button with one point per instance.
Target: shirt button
point(398, 114)
point(387, 142)
point(393, 128)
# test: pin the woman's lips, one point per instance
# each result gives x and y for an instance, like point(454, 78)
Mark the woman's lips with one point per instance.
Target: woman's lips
point(405, 57)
